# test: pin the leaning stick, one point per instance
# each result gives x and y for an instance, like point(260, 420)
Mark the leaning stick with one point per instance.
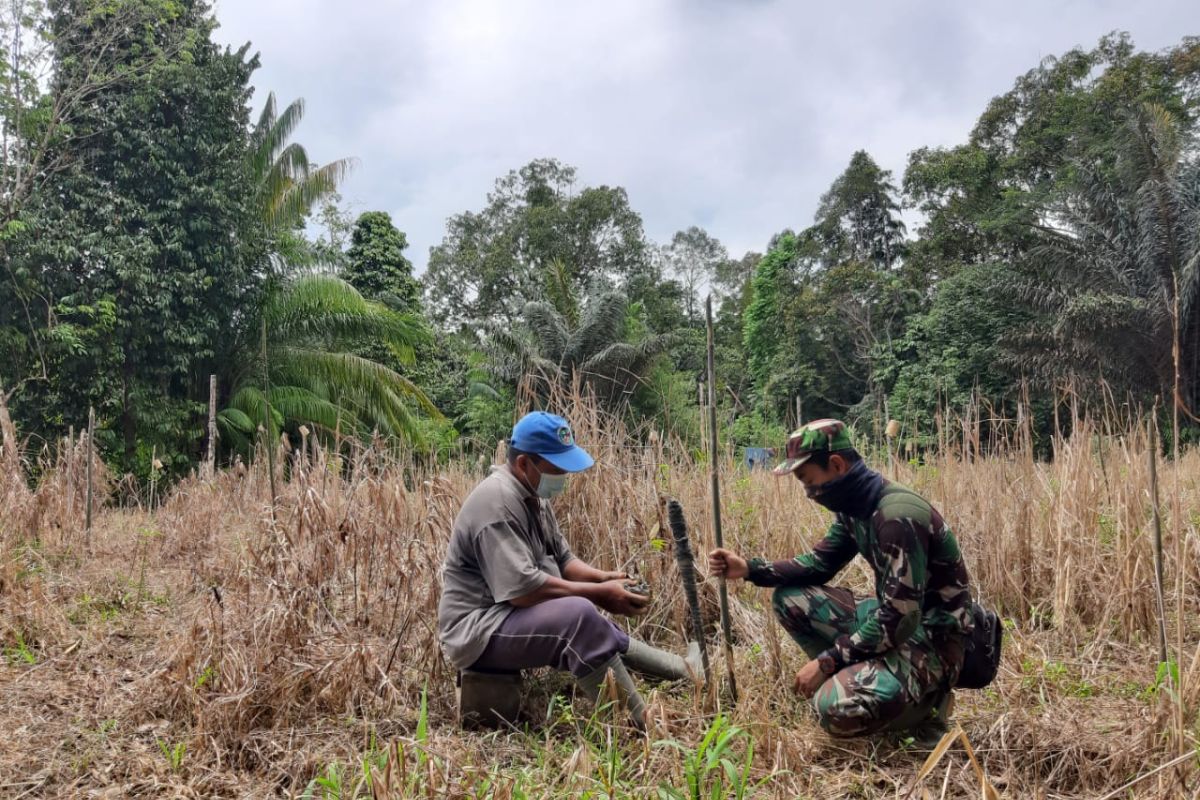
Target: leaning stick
point(722, 590)
point(687, 571)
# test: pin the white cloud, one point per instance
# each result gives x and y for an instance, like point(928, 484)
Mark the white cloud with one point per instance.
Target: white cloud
point(729, 114)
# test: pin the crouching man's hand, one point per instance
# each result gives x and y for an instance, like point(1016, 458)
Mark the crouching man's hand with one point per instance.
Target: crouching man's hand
point(612, 596)
point(727, 564)
point(809, 679)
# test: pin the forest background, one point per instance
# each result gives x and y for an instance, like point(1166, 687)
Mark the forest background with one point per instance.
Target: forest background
point(160, 225)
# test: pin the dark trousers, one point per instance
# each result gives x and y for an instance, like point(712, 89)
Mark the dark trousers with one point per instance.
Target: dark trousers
point(566, 633)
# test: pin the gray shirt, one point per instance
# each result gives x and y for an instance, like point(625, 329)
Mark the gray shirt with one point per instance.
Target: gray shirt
point(505, 543)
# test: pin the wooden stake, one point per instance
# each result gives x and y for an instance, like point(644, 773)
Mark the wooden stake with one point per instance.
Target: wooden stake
point(153, 473)
point(90, 452)
point(271, 444)
point(70, 461)
point(210, 458)
point(1158, 544)
point(713, 455)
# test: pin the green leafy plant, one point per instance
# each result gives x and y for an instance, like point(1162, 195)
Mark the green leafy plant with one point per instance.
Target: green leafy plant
point(20, 653)
point(173, 753)
point(712, 769)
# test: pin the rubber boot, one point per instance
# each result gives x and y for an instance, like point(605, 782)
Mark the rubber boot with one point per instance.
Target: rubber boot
point(593, 684)
point(663, 664)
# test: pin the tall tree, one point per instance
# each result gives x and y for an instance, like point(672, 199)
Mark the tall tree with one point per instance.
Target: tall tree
point(858, 219)
point(767, 293)
point(492, 262)
point(42, 130)
point(1116, 278)
point(838, 303)
point(376, 265)
point(145, 244)
point(693, 258)
point(981, 199)
point(312, 343)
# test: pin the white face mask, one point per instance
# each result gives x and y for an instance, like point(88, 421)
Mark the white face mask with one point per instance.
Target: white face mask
point(551, 485)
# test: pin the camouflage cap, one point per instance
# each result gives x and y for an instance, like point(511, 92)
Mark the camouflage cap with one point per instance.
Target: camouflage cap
point(820, 434)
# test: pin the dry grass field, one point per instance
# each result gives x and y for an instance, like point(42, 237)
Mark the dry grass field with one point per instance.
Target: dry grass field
point(218, 646)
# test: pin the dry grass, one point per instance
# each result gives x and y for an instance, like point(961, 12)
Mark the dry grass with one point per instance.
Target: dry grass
point(203, 650)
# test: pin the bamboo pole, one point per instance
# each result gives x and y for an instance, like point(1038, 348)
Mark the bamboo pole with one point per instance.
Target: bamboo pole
point(722, 589)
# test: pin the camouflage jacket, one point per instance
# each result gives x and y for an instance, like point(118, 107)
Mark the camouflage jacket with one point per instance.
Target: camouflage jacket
point(920, 577)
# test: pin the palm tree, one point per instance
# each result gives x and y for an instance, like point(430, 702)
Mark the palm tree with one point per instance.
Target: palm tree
point(309, 327)
point(295, 360)
point(551, 348)
point(1118, 273)
point(287, 183)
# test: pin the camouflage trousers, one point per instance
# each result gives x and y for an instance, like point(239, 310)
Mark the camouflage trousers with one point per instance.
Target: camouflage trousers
point(892, 692)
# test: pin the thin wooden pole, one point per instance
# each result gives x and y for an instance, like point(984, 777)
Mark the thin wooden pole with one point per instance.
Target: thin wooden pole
point(1158, 544)
point(1176, 519)
point(722, 589)
point(70, 462)
point(267, 417)
point(210, 458)
point(153, 473)
point(90, 454)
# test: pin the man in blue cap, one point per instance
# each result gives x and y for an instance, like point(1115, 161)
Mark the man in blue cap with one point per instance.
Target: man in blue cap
point(515, 597)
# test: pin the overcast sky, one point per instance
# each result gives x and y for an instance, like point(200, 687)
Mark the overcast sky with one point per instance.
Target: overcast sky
point(734, 115)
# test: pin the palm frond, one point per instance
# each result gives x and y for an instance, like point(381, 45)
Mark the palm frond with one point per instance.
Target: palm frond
point(252, 403)
point(379, 395)
point(602, 323)
point(298, 405)
point(324, 307)
point(269, 137)
point(295, 199)
point(549, 330)
point(259, 154)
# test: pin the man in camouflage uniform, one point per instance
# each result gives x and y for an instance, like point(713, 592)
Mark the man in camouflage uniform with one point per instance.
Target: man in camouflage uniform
point(884, 663)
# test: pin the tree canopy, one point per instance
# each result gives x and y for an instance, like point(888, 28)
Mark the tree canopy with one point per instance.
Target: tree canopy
point(156, 229)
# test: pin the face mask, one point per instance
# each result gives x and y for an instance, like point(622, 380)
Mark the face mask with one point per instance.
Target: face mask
point(551, 485)
point(854, 493)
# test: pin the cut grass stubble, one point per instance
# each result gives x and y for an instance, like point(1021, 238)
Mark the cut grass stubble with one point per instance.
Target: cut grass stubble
point(299, 645)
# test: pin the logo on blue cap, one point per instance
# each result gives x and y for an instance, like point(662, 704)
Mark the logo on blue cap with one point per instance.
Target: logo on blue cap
point(550, 437)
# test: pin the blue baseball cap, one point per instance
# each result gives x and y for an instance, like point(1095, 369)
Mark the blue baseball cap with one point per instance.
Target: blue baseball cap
point(550, 437)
